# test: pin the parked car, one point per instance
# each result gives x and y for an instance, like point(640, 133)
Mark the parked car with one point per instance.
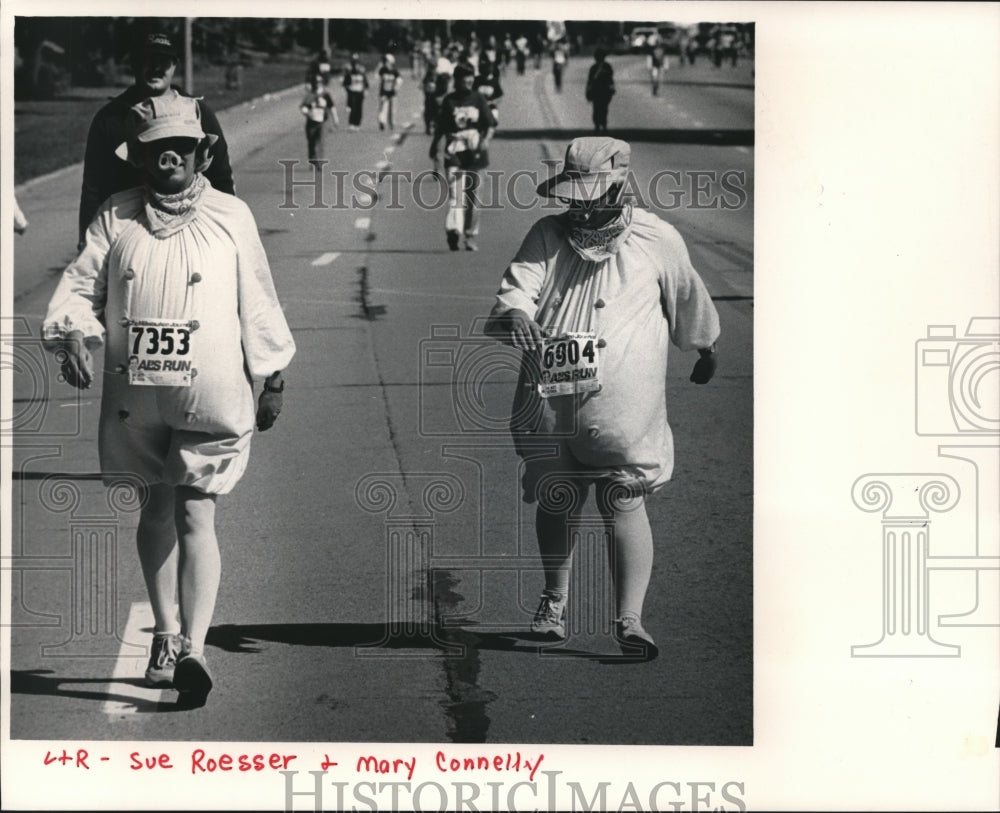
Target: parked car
point(641, 37)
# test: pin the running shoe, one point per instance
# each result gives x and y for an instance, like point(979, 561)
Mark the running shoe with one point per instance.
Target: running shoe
point(470, 244)
point(548, 620)
point(193, 680)
point(162, 659)
point(631, 635)
point(453, 239)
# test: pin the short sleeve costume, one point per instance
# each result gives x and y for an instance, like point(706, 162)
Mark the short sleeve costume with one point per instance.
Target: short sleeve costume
point(211, 273)
point(640, 300)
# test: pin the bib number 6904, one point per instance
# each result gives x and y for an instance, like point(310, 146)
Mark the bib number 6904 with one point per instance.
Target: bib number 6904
point(566, 352)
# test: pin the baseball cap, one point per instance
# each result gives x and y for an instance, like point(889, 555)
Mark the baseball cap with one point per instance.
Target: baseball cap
point(156, 43)
point(168, 116)
point(591, 165)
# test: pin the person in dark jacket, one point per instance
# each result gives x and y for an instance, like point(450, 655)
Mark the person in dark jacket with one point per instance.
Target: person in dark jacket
point(356, 85)
point(466, 123)
point(600, 88)
point(154, 61)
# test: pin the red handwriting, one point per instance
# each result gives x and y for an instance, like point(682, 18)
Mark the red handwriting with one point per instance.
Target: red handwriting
point(202, 763)
point(80, 758)
point(371, 763)
point(326, 763)
point(155, 761)
point(497, 762)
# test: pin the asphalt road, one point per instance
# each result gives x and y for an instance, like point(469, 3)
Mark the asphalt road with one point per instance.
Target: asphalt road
point(379, 570)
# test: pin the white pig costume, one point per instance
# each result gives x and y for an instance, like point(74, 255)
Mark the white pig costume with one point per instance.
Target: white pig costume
point(193, 260)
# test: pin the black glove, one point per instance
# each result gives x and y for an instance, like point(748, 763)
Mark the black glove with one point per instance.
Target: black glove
point(268, 409)
point(704, 368)
point(75, 361)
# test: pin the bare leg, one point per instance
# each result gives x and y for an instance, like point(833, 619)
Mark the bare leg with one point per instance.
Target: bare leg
point(200, 563)
point(630, 546)
point(554, 542)
point(156, 541)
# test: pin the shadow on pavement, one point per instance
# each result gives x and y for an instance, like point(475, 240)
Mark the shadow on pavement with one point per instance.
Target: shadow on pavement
point(43, 682)
point(449, 641)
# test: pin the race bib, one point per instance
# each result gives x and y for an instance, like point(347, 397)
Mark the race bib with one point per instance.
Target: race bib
point(160, 353)
point(569, 365)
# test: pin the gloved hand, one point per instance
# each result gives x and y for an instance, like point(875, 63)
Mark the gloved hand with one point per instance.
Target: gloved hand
point(704, 368)
point(75, 361)
point(268, 409)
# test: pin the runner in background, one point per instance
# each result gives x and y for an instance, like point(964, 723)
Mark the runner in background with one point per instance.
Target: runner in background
point(466, 124)
point(321, 67)
point(600, 88)
point(559, 52)
point(154, 61)
point(657, 62)
point(356, 85)
point(389, 81)
point(318, 108)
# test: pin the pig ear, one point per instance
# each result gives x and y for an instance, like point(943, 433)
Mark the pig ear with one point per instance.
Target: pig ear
point(203, 157)
point(129, 151)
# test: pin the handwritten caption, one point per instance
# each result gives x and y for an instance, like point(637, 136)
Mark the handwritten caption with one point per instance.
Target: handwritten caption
point(198, 761)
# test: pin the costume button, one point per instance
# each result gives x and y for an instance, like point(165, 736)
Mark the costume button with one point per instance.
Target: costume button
point(196, 277)
point(129, 274)
point(195, 324)
point(121, 368)
point(190, 417)
point(594, 432)
point(123, 321)
point(599, 303)
point(601, 343)
point(123, 414)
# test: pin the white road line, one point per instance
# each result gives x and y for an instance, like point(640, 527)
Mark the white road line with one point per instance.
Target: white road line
point(743, 150)
point(128, 668)
point(396, 137)
point(362, 223)
point(380, 165)
point(683, 115)
point(326, 259)
point(388, 151)
point(75, 404)
point(698, 123)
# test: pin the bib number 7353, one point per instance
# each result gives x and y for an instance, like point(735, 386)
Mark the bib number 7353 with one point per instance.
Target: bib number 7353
point(568, 364)
point(160, 353)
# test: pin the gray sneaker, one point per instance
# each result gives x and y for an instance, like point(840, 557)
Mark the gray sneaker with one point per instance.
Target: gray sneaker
point(631, 636)
point(163, 656)
point(548, 620)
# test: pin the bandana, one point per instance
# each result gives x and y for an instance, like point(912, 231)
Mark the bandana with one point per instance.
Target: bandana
point(598, 245)
point(168, 214)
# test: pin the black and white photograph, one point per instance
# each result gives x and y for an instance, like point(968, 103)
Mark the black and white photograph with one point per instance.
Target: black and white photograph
point(389, 422)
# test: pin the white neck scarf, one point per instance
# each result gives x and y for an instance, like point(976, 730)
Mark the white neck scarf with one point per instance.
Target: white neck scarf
point(168, 214)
